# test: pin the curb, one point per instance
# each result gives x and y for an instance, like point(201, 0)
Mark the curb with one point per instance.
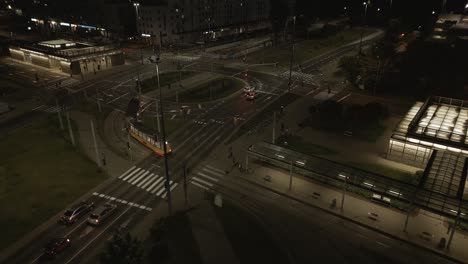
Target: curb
point(396, 237)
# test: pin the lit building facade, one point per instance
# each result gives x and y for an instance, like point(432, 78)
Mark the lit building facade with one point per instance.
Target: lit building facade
point(69, 56)
point(439, 123)
point(188, 21)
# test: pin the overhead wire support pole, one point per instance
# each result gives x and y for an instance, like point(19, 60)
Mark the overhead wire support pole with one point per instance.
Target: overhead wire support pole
point(163, 132)
point(292, 54)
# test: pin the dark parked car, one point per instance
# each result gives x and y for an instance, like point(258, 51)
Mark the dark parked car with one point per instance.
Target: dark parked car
point(72, 214)
point(101, 213)
point(54, 247)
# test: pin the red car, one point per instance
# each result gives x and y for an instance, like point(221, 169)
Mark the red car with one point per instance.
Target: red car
point(251, 95)
point(54, 247)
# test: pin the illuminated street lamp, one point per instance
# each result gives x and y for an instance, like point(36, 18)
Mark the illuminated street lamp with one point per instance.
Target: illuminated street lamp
point(366, 5)
point(136, 5)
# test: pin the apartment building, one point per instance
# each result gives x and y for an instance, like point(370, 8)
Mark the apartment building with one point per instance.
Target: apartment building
point(189, 21)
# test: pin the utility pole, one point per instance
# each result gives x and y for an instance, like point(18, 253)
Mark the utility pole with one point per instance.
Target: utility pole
point(180, 84)
point(185, 186)
point(273, 140)
point(344, 190)
point(59, 109)
point(166, 165)
point(366, 4)
point(377, 77)
point(292, 54)
point(290, 175)
point(70, 130)
point(247, 161)
point(95, 145)
point(98, 100)
point(128, 146)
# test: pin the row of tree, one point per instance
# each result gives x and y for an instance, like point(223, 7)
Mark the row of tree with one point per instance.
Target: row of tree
point(338, 117)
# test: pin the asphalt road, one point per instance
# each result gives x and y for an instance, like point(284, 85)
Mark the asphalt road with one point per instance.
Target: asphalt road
point(190, 145)
point(309, 235)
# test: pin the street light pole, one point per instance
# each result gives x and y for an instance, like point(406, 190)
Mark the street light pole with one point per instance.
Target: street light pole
point(166, 166)
point(290, 175)
point(344, 191)
point(292, 54)
point(274, 128)
point(366, 4)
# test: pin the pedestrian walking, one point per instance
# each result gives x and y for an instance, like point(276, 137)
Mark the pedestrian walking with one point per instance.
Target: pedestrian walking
point(103, 159)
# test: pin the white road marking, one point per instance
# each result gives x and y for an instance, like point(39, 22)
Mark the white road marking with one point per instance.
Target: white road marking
point(219, 174)
point(129, 170)
point(139, 178)
point(136, 176)
point(154, 184)
point(129, 175)
point(343, 98)
point(157, 187)
point(206, 176)
point(145, 180)
point(202, 181)
point(172, 188)
point(98, 235)
point(199, 185)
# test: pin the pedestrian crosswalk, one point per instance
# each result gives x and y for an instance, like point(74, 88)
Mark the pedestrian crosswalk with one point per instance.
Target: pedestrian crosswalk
point(302, 77)
point(207, 176)
point(47, 109)
point(61, 83)
point(147, 181)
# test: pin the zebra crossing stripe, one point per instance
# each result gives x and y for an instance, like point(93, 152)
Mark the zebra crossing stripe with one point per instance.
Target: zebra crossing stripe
point(145, 180)
point(213, 172)
point(199, 185)
point(172, 188)
point(202, 181)
point(139, 178)
point(152, 186)
point(149, 182)
point(163, 189)
point(160, 191)
point(135, 176)
point(129, 170)
point(158, 186)
point(206, 176)
point(216, 169)
point(129, 175)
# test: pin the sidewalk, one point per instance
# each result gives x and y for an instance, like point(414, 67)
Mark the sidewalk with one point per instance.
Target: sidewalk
point(214, 247)
point(356, 208)
point(115, 165)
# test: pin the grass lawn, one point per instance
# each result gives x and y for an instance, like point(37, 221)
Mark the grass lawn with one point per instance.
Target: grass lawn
point(12, 90)
point(251, 243)
point(369, 134)
point(212, 90)
point(389, 172)
point(40, 174)
point(307, 49)
point(93, 110)
point(297, 143)
point(171, 125)
point(164, 79)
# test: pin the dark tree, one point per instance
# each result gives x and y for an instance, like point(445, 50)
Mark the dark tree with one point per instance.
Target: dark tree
point(279, 14)
point(123, 249)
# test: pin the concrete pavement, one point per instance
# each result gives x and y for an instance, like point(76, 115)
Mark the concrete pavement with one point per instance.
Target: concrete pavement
point(356, 208)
